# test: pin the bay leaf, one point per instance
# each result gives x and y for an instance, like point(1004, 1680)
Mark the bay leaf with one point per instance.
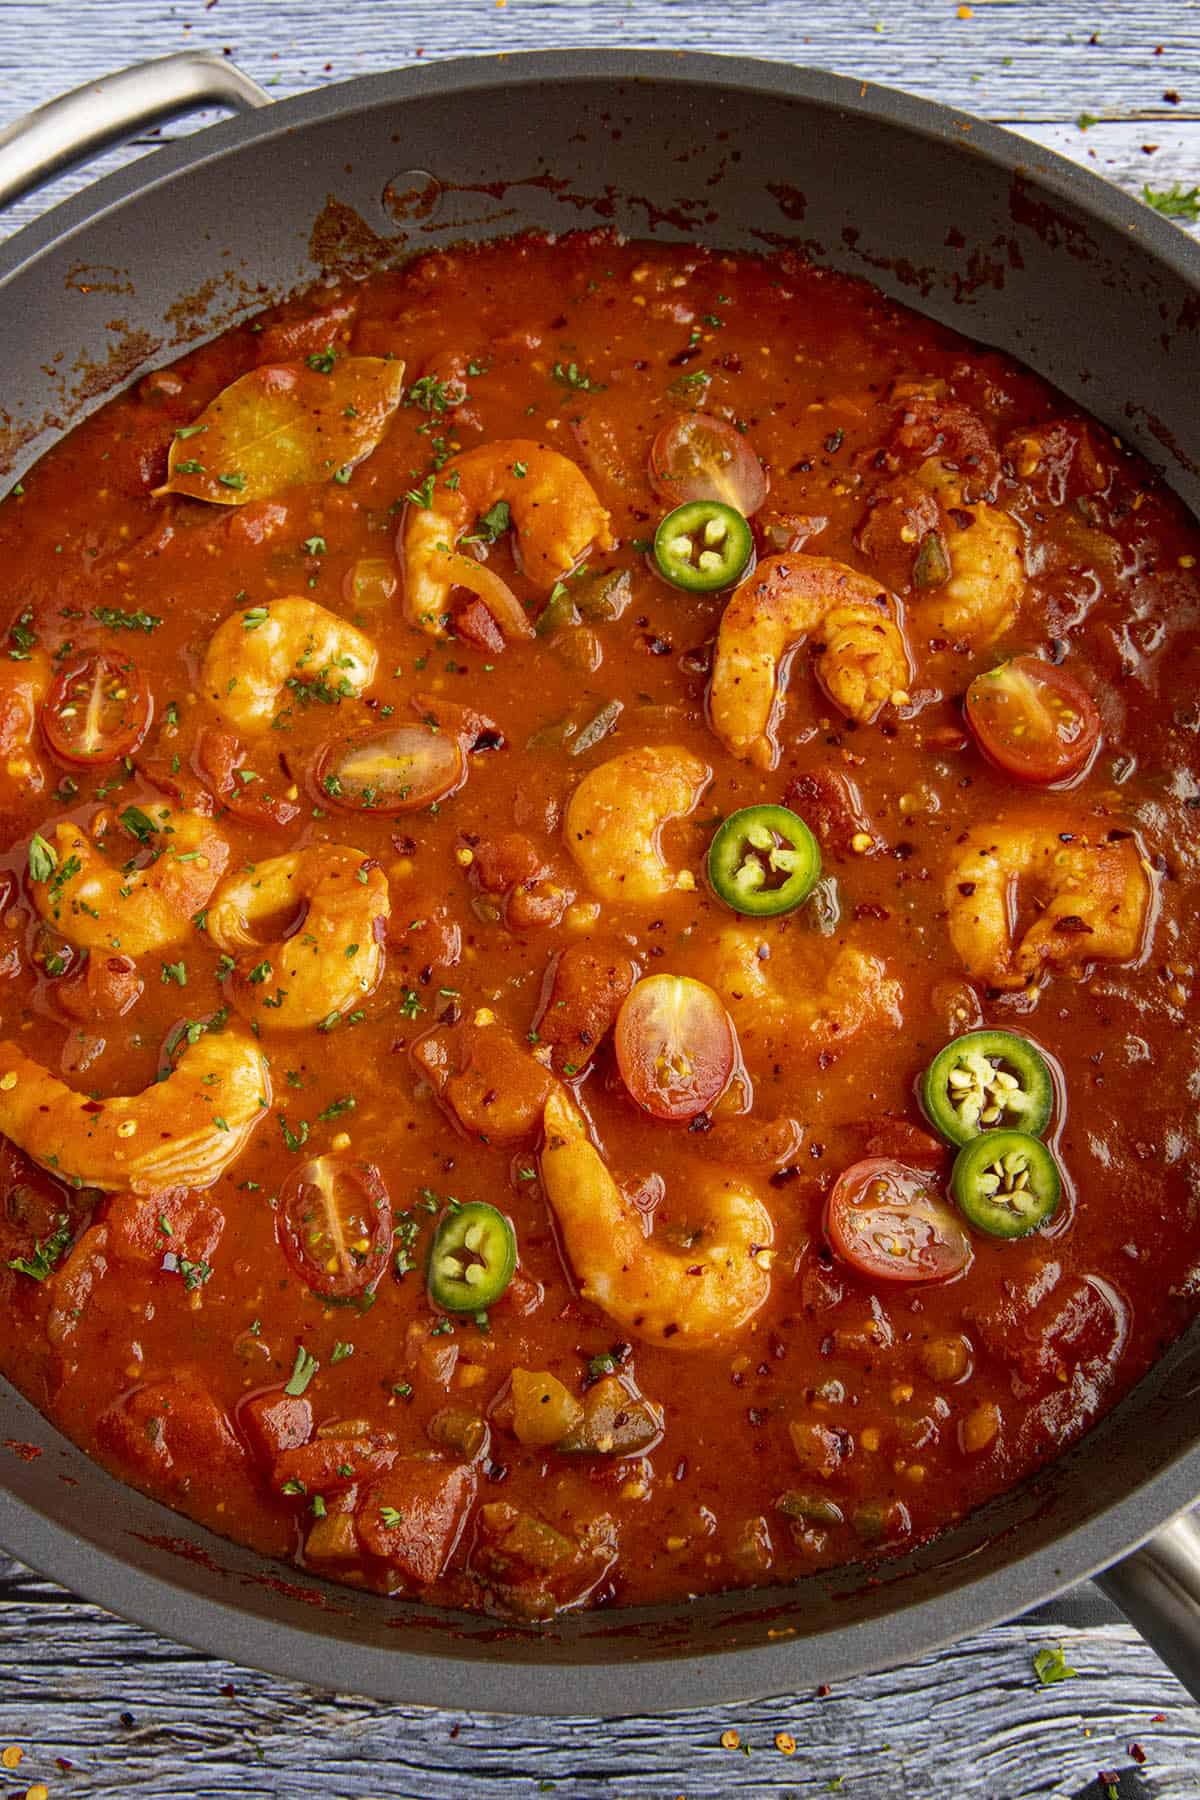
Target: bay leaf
point(285, 425)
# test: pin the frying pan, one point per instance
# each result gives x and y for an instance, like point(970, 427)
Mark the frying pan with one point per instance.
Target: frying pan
point(962, 221)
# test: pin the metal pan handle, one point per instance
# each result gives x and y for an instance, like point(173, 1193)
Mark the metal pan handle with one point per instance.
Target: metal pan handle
point(73, 127)
point(1158, 1589)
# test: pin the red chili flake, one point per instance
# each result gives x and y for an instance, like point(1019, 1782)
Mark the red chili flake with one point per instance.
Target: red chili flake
point(1137, 1753)
point(1171, 97)
point(824, 1691)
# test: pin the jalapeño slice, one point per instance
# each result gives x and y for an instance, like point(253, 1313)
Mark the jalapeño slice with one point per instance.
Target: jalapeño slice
point(764, 860)
point(988, 1081)
point(473, 1258)
point(703, 546)
point(1006, 1183)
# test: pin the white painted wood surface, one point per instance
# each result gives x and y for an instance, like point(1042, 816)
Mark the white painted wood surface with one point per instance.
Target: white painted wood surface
point(132, 1714)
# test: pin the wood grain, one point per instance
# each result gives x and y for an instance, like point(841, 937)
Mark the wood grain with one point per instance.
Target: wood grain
point(141, 1716)
point(136, 1715)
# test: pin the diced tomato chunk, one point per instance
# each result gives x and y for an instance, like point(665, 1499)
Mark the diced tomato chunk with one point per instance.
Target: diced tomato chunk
point(144, 1228)
point(929, 426)
point(105, 988)
point(287, 340)
point(221, 764)
point(73, 1283)
point(500, 863)
point(829, 802)
point(491, 1084)
point(273, 1422)
point(328, 1464)
point(173, 1434)
point(475, 623)
point(413, 1517)
point(900, 1139)
point(588, 985)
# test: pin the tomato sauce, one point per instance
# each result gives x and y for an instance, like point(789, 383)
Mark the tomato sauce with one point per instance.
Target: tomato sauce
point(261, 1349)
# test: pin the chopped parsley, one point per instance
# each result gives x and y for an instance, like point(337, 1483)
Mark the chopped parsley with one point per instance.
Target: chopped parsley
point(336, 1108)
point(422, 496)
point(295, 1140)
point(23, 638)
point(114, 619)
point(570, 375)
point(1175, 202)
point(340, 1352)
point(176, 972)
point(43, 859)
point(303, 1370)
point(1051, 1666)
point(434, 396)
point(322, 361)
point(491, 525)
point(390, 1516)
point(45, 1254)
point(138, 824)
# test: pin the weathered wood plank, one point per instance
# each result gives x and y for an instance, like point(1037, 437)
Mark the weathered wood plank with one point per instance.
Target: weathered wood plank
point(1041, 59)
point(969, 1723)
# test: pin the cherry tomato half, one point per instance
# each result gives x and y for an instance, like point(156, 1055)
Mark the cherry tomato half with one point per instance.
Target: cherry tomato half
point(335, 1225)
point(675, 1046)
point(392, 771)
point(98, 710)
point(890, 1222)
point(1033, 720)
point(697, 457)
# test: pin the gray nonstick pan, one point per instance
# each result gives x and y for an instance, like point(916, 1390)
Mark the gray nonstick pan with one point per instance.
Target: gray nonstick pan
point(964, 222)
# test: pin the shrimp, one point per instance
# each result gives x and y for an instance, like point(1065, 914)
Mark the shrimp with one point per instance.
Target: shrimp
point(985, 585)
point(254, 655)
point(23, 686)
point(553, 509)
point(616, 815)
point(810, 997)
point(1093, 898)
point(688, 1296)
point(329, 960)
point(863, 662)
point(102, 905)
point(183, 1131)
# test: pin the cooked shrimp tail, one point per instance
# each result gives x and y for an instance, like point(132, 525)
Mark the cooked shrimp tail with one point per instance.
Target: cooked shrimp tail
point(553, 510)
point(1093, 893)
point(335, 902)
point(862, 663)
point(183, 1131)
point(256, 654)
point(101, 905)
point(615, 821)
point(686, 1295)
